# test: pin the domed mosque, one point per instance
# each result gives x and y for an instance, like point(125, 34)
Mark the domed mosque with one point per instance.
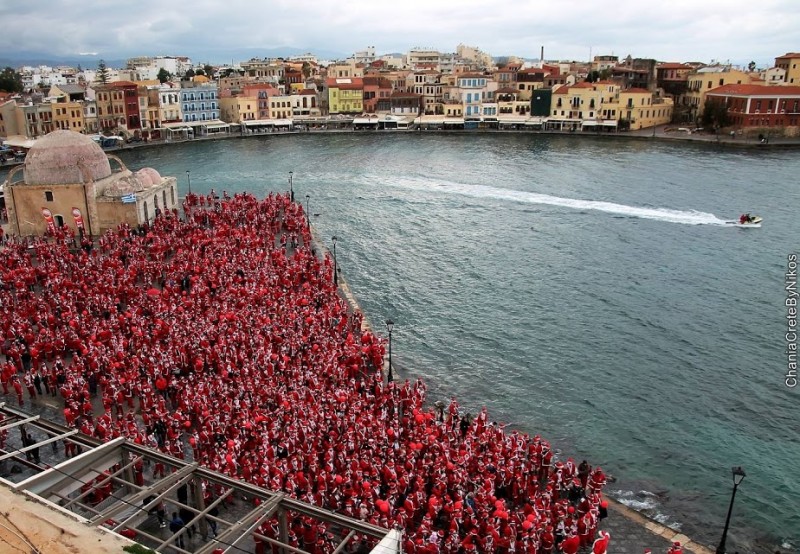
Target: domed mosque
point(68, 181)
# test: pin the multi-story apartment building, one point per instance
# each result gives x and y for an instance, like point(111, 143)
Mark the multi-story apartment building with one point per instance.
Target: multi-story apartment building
point(199, 101)
point(68, 115)
point(708, 78)
point(475, 89)
point(305, 103)
point(280, 107)
point(790, 63)
point(642, 109)
point(269, 70)
point(376, 89)
point(35, 119)
point(238, 108)
point(423, 58)
point(345, 96)
point(118, 105)
point(262, 93)
point(428, 85)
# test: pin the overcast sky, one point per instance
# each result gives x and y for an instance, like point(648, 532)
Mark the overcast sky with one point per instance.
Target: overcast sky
point(211, 30)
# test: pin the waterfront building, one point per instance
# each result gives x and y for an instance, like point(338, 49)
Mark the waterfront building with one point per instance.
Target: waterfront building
point(406, 103)
point(262, 92)
point(529, 80)
point(427, 84)
point(643, 109)
point(67, 181)
point(199, 101)
point(118, 106)
point(305, 103)
point(759, 105)
point(345, 95)
point(90, 123)
point(8, 118)
point(238, 107)
point(377, 94)
point(790, 63)
point(572, 104)
point(707, 78)
point(68, 114)
point(510, 105)
point(474, 88)
point(34, 119)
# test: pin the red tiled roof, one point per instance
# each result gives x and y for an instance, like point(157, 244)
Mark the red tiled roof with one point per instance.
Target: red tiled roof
point(790, 55)
point(563, 89)
point(755, 90)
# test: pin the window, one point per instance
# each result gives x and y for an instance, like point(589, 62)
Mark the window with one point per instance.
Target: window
point(48, 196)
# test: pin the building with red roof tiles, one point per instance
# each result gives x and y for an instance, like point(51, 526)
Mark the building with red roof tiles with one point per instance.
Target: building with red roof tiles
point(759, 105)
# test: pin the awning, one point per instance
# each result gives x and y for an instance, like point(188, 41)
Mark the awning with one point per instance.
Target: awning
point(513, 120)
point(282, 122)
point(174, 125)
point(18, 141)
point(365, 121)
point(589, 124)
point(216, 124)
point(535, 122)
point(257, 122)
point(454, 121)
point(432, 121)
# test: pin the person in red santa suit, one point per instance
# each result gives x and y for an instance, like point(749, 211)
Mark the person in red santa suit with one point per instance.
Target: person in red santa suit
point(600, 545)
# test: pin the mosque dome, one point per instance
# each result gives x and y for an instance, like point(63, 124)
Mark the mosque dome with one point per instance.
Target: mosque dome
point(148, 177)
point(64, 158)
point(124, 185)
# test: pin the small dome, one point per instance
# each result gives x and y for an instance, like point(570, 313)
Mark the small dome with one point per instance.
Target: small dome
point(124, 185)
point(149, 177)
point(65, 157)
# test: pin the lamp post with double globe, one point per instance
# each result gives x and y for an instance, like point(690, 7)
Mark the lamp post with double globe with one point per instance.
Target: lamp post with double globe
point(291, 189)
point(308, 215)
point(738, 477)
point(189, 181)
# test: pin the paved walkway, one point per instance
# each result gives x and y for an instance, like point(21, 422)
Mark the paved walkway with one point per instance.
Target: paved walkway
point(633, 533)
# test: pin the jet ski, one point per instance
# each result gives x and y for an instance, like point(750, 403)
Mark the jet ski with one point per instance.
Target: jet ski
point(747, 220)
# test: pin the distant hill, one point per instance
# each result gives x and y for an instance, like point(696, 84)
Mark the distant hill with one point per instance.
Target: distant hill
point(19, 59)
point(89, 61)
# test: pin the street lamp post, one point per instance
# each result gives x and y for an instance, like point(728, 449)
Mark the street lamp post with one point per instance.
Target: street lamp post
point(738, 477)
point(291, 189)
point(189, 181)
point(335, 266)
point(389, 327)
point(308, 215)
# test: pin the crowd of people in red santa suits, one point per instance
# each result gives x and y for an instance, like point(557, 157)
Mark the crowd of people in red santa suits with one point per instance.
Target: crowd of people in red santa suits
point(223, 333)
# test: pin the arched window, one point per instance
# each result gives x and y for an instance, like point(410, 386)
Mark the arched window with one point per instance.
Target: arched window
point(164, 198)
point(146, 216)
point(172, 193)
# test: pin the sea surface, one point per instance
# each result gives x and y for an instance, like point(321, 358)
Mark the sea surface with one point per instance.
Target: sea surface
point(585, 289)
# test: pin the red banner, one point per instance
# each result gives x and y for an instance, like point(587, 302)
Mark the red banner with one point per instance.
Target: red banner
point(76, 215)
point(48, 217)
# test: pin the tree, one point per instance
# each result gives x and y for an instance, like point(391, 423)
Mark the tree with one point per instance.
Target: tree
point(200, 72)
point(306, 70)
point(209, 69)
point(163, 76)
point(10, 80)
point(189, 74)
point(751, 66)
point(593, 76)
point(715, 115)
point(229, 71)
point(102, 76)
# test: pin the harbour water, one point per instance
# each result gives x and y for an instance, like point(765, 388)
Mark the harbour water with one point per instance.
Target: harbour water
point(584, 289)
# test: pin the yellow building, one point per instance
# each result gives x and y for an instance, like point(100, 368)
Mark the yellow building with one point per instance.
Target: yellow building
point(68, 116)
point(67, 181)
point(707, 78)
point(642, 109)
point(345, 96)
point(280, 107)
point(791, 64)
point(234, 109)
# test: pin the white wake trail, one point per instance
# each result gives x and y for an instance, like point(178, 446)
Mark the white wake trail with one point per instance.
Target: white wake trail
point(690, 217)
